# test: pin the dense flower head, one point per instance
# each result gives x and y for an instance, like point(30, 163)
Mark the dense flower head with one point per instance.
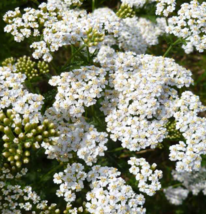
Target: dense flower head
point(18, 199)
point(191, 181)
point(110, 193)
point(14, 94)
point(136, 3)
point(71, 180)
point(176, 195)
point(60, 27)
point(190, 25)
point(165, 7)
point(79, 137)
point(147, 176)
point(188, 153)
point(142, 99)
point(78, 88)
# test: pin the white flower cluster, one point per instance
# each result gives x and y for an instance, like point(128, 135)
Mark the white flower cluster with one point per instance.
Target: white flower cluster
point(60, 26)
point(78, 88)
point(191, 181)
point(194, 182)
point(190, 25)
point(110, 194)
point(176, 195)
point(13, 94)
point(141, 99)
point(15, 199)
point(79, 137)
point(147, 175)
point(136, 3)
point(71, 180)
point(165, 7)
point(67, 3)
point(130, 34)
point(188, 153)
point(136, 35)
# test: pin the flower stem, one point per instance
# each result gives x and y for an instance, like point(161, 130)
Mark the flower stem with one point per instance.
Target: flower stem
point(171, 46)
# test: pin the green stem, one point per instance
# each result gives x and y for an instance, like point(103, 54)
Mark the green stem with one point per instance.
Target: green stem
point(30, 86)
point(54, 68)
point(72, 57)
point(50, 172)
point(171, 46)
point(93, 5)
point(117, 149)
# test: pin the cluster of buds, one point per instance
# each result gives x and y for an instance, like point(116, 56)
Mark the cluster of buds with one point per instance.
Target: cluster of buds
point(93, 38)
point(20, 135)
point(30, 68)
point(52, 209)
point(74, 3)
point(8, 62)
point(173, 133)
point(70, 210)
point(125, 11)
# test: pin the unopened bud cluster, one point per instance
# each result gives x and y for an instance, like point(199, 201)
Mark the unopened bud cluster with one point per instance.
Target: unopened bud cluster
point(125, 11)
point(93, 38)
point(173, 133)
point(30, 68)
point(8, 62)
point(20, 135)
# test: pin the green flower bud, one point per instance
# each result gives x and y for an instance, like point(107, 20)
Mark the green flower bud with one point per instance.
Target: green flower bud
point(27, 145)
point(30, 135)
point(26, 160)
point(6, 154)
point(9, 112)
point(5, 138)
point(10, 158)
point(17, 130)
point(45, 134)
point(21, 136)
point(12, 150)
point(26, 120)
point(17, 157)
point(52, 132)
point(40, 129)
point(6, 145)
point(2, 116)
point(7, 130)
point(19, 151)
point(27, 153)
point(125, 11)
point(6, 121)
point(27, 127)
point(1, 128)
point(39, 138)
point(18, 164)
point(46, 122)
point(51, 125)
point(13, 168)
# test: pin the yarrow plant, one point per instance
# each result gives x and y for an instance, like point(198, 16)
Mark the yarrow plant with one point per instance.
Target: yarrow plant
point(93, 119)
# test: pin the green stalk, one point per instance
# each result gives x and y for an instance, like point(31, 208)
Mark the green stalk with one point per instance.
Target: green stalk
point(93, 5)
point(72, 57)
point(171, 46)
